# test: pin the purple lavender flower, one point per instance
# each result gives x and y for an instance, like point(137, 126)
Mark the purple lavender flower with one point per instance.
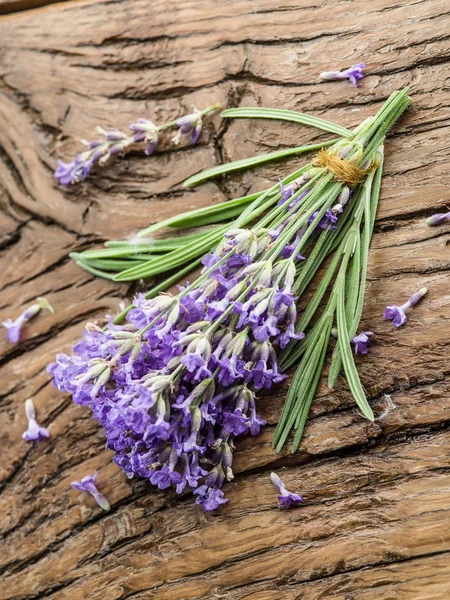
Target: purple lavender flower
point(171, 386)
point(14, 327)
point(327, 221)
point(286, 192)
point(285, 498)
point(146, 131)
point(192, 124)
point(354, 74)
point(397, 314)
point(73, 172)
point(34, 432)
point(87, 484)
point(362, 342)
point(438, 219)
point(98, 152)
point(210, 498)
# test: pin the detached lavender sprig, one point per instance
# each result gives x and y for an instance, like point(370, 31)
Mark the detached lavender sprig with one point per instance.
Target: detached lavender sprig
point(34, 432)
point(397, 314)
point(13, 328)
point(354, 74)
point(87, 484)
point(116, 143)
point(438, 219)
point(285, 499)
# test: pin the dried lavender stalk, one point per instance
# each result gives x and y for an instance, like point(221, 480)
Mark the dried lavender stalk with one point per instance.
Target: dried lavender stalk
point(116, 143)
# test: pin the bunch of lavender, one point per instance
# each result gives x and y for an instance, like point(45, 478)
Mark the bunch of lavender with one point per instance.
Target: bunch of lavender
point(173, 380)
point(116, 143)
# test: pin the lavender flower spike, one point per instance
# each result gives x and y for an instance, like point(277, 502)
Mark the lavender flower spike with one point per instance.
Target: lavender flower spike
point(87, 484)
point(34, 433)
point(285, 498)
point(438, 219)
point(396, 314)
point(14, 327)
point(362, 342)
point(354, 74)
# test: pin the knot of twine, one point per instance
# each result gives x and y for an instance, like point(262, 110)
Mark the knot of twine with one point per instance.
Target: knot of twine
point(343, 170)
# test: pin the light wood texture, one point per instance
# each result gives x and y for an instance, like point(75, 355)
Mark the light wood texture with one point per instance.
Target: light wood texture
point(375, 524)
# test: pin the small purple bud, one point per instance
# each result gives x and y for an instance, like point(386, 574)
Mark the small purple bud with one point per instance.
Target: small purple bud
point(114, 136)
point(151, 147)
point(192, 124)
point(438, 219)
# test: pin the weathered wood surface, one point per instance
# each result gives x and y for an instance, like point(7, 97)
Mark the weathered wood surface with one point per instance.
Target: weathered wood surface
point(376, 519)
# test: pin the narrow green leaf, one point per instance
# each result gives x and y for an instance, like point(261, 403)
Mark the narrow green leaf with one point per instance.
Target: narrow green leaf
point(110, 264)
point(347, 357)
point(203, 216)
point(309, 394)
point(285, 115)
point(254, 161)
point(173, 259)
point(370, 196)
point(311, 341)
point(97, 272)
point(106, 253)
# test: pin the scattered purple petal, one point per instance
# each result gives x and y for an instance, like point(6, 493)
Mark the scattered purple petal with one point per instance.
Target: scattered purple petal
point(87, 484)
point(354, 74)
point(13, 328)
point(34, 432)
point(362, 342)
point(397, 314)
point(285, 499)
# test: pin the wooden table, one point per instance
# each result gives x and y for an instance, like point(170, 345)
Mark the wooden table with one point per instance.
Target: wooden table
point(375, 524)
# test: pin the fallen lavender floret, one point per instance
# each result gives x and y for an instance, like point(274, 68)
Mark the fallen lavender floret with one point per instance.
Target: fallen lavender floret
point(362, 342)
point(87, 484)
point(34, 432)
point(116, 142)
point(14, 327)
point(285, 499)
point(397, 314)
point(354, 74)
point(438, 219)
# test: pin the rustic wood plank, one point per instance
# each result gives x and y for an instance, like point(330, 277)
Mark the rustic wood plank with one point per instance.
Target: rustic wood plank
point(375, 520)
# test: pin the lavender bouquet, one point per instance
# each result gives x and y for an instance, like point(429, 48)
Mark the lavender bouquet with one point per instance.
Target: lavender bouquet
point(173, 379)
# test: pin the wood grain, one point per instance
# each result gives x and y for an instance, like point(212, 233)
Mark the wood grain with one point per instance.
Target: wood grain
point(375, 522)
